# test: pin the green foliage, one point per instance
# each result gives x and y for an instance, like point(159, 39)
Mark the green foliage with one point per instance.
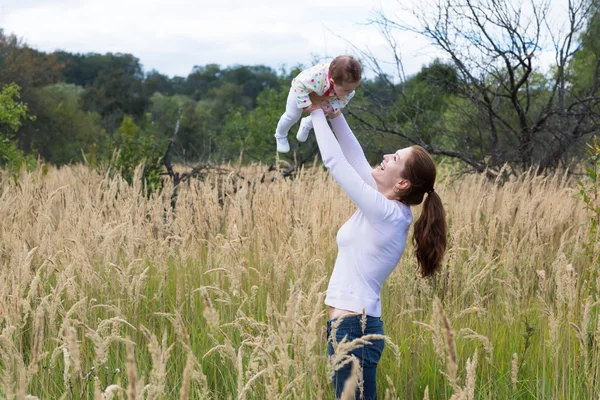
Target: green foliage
point(197, 122)
point(12, 113)
point(418, 107)
point(583, 66)
point(69, 132)
point(205, 81)
point(156, 82)
point(84, 69)
point(12, 158)
point(251, 132)
point(115, 95)
point(81, 100)
point(589, 189)
point(223, 126)
point(29, 69)
point(135, 145)
point(25, 66)
point(439, 75)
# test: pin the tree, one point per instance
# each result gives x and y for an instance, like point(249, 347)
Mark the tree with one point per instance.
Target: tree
point(30, 70)
point(584, 68)
point(12, 113)
point(84, 69)
point(510, 111)
point(201, 80)
point(193, 140)
point(115, 95)
point(156, 82)
point(250, 134)
point(24, 66)
point(417, 105)
point(136, 144)
point(252, 79)
point(69, 133)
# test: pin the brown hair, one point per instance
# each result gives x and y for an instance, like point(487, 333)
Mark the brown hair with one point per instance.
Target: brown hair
point(429, 236)
point(345, 69)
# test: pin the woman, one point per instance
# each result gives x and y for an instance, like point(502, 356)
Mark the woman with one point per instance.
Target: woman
point(372, 241)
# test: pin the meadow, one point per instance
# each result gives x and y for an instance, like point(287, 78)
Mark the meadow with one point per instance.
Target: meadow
point(107, 293)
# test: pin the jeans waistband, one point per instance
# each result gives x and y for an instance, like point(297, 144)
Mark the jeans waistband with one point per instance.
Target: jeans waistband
point(354, 320)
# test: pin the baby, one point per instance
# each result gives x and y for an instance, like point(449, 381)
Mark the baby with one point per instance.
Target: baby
point(335, 82)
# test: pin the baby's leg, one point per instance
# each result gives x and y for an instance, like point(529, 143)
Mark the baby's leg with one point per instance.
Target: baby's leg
point(290, 117)
point(306, 126)
point(308, 122)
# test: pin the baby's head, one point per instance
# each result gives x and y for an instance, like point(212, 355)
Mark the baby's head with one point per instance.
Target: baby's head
point(345, 74)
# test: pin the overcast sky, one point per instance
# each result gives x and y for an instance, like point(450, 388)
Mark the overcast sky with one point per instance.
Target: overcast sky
point(172, 36)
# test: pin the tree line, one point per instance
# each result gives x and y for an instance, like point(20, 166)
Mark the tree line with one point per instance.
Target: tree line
point(489, 102)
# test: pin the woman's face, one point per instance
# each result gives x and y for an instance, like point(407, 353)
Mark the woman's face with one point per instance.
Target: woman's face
point(390, 171)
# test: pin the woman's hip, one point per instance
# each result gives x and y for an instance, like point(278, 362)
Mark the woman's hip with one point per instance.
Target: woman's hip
point(342, 331)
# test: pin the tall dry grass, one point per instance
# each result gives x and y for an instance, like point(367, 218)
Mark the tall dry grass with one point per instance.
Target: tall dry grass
point(108, 294)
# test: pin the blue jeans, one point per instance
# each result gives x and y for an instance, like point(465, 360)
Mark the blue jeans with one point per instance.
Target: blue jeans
point(368, 356)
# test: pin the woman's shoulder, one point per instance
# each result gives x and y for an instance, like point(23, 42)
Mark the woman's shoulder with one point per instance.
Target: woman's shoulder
point(403, 213)
point(397, 214)
point(407, 212)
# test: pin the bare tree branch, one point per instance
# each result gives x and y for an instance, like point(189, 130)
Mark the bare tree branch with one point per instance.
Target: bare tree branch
point(522, 115)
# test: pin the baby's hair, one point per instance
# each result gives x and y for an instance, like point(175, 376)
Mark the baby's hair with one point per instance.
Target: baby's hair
point(345, 69)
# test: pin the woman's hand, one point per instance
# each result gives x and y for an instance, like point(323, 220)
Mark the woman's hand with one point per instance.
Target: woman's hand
point(326, 107)
point(335, 114)
point(311, 108)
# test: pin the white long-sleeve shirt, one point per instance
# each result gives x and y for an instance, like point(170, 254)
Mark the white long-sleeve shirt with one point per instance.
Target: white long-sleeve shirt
point(317, 79)
point(372, 241)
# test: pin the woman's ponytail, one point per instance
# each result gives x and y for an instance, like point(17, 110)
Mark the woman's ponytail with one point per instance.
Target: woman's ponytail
point(429, 235)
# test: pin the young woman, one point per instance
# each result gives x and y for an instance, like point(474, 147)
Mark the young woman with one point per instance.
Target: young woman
point(372, 241)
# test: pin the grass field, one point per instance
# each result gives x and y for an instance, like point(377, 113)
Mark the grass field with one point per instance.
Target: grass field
point(105, 294)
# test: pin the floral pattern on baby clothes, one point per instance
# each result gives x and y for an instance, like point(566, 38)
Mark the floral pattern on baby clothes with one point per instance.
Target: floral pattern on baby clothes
point(316, 79)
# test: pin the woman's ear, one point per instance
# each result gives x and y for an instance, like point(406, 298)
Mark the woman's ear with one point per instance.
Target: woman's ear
point(402, 184)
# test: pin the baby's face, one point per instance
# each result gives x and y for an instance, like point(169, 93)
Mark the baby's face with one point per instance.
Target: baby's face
point(344, 88)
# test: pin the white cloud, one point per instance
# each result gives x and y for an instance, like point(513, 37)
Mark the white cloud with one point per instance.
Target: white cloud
point(173, 36)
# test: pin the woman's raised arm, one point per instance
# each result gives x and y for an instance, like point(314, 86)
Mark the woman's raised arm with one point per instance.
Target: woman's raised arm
point(373, 204)
point(352, 149)
point(350, 146)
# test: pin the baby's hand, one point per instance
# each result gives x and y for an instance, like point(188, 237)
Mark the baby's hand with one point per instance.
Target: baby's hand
point(326, 107)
